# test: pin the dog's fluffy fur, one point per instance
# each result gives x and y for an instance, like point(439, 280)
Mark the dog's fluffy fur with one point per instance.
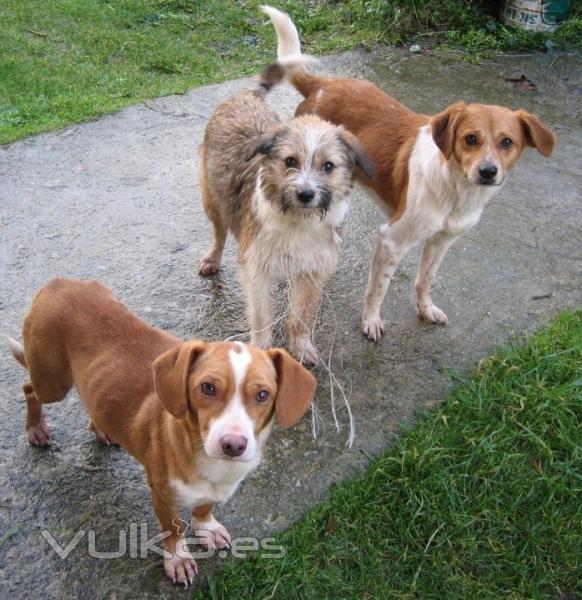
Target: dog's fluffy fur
point(282, 190)
point(433, 175)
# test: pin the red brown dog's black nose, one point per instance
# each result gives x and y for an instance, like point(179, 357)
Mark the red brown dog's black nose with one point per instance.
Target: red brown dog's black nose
point(233, 445)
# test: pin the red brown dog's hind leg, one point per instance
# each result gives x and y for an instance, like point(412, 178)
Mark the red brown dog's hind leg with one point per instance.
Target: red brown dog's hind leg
point(37, 430)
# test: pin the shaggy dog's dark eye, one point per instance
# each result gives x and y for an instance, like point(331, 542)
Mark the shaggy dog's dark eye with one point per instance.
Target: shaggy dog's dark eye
point(262, 396)
point(328, 167)
point(208, 389)
point(471, 139)
point(290, 162)
point(506, 143)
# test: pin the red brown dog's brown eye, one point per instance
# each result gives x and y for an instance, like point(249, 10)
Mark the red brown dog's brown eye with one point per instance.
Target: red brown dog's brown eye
point(506, 143)
point(328, 167)
point(290, 162)
point(262, 396)
point(471, 139)
point(208, 389)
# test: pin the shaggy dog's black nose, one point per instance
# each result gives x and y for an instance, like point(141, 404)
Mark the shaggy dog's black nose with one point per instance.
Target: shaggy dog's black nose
point(305, 196)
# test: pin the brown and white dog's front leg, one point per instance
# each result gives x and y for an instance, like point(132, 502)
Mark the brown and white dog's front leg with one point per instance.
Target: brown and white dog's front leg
point(433, 253)
point(391, 246)
point(258, 286)
point(180, 567)
point(306, 291)
point(208, 530)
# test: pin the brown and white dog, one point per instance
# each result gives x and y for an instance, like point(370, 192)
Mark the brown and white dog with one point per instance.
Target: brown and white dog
point(195, 414)
point(282, 189)
point(433, 175)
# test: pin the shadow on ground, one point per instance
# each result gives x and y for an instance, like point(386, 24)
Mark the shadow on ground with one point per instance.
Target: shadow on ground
point(118, 200)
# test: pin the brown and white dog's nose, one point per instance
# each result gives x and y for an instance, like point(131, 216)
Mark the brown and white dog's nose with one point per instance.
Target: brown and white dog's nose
point(305, 195)
point(233, 445)
point(487, 173)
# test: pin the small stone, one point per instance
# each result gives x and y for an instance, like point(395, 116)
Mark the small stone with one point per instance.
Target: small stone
point(415, 48)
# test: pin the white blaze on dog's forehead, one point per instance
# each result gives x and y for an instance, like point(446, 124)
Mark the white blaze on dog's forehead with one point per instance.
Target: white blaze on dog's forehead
point(240, 359)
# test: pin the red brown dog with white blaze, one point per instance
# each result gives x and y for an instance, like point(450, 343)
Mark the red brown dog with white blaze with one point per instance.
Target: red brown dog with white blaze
point(433, 175)
point(195, 414)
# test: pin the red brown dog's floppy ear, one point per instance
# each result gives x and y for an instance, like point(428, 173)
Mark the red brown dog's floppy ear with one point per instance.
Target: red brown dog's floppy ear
point(536, 134)
point(443, 128)
point(171, 371)
point(296, 386)
point(356, 154)
point(266, 142)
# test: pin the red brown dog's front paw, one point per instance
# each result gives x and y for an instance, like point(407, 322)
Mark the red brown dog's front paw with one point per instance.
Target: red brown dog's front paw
point(39, 435)
point(181, 568)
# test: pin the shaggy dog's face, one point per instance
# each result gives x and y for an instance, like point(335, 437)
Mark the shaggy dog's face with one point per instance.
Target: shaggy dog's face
point(308, 164)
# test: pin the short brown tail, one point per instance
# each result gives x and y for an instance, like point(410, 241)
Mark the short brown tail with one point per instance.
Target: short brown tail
point(17, 351)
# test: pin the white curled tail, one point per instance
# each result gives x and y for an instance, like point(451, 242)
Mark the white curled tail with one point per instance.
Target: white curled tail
point(288, 44)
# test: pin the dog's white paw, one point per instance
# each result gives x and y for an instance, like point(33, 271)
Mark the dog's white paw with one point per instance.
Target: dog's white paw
point(304, 351)
point(181, 568)
point(211, 534)
point(39, 435)
point(372, 327)
point(262, 339)
point(209, 265)
point(433, 314)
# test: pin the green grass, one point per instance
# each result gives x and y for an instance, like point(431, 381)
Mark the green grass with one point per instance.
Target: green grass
point(480, 499)
point(67, 61)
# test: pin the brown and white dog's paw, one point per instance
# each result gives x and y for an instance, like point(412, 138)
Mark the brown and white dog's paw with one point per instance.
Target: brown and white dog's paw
point(39, 435)
point(433, 314)
point(372, 327)
point(304, 351)
point(209, 265)
point(211, 534)
point(181, 568)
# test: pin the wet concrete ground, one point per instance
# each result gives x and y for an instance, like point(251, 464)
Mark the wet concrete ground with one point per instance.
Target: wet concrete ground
point(118, 200)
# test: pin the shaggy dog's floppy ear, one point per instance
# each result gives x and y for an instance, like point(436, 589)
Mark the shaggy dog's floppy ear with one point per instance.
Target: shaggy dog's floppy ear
point(536, 134)
point(356, 153)
point(443, 128)
point(265, 143)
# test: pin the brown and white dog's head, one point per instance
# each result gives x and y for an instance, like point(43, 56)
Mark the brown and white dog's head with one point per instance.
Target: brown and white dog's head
point(308, 164)
point(230, 392)
point(485, 141)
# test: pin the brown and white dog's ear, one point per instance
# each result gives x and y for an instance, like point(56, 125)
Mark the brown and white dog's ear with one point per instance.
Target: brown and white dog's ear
point(266, 142)
point(536, 134)
point(295, 388)
point(443, 128)
point(356, 154)
point(171, 372)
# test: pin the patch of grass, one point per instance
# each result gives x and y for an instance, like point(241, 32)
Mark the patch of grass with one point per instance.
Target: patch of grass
point(66, 61)
point(481, 499)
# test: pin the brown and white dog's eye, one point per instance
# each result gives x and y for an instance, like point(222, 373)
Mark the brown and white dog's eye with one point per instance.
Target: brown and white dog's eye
point(290, 162)
point(328, 167)
point(471, 139)
point(506, 143)
point(262, 396)
point(208, 389)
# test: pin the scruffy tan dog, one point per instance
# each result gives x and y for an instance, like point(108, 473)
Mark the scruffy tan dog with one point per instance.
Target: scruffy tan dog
point(282, 190)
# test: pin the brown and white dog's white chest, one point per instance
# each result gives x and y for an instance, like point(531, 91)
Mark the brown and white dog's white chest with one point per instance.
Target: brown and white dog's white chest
point(215, 481)
point(439, 197)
